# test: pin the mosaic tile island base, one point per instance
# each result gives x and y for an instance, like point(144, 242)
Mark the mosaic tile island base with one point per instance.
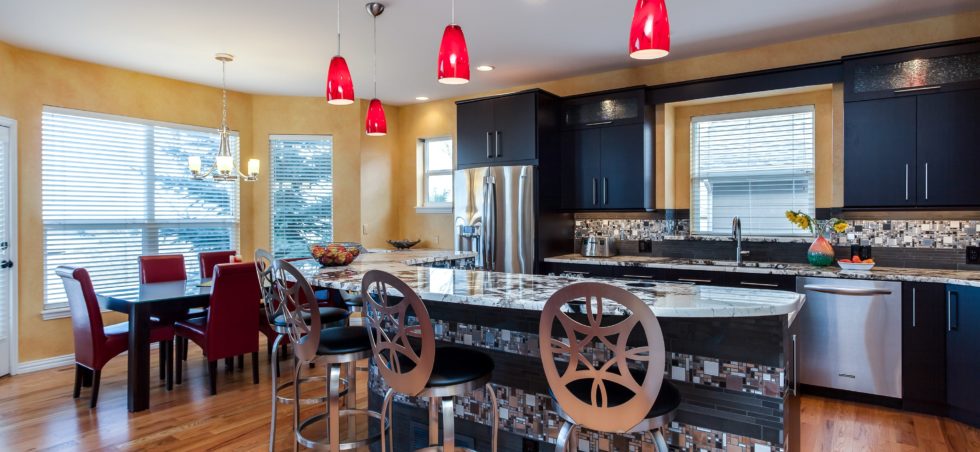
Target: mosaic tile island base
point(729, 352)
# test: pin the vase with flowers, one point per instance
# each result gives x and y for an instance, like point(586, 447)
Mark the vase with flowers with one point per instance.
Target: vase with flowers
point(821, 252)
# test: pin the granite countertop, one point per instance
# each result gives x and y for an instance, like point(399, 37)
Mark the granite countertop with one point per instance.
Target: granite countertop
point(926, 275)
point(530, 292)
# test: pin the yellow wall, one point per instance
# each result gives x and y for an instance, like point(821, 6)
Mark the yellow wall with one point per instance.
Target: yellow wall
point(823, 139)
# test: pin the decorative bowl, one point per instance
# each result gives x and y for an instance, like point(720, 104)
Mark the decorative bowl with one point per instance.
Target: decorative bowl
point(855, 266)
point(336, 254)
point(404, 244)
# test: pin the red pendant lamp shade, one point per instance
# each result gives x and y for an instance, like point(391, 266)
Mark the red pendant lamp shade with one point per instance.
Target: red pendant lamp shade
point(376, 125)
point(340, 86)
point(650, 32)
point(454, 59)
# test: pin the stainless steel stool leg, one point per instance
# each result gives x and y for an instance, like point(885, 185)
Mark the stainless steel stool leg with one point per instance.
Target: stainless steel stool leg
point(448, 425)
point(492, 396)
point(434, 421)
point(661, 443)
point(386, 414)
point(564, 436)
point(333, 413)
point(275, 403)
point(297, 365)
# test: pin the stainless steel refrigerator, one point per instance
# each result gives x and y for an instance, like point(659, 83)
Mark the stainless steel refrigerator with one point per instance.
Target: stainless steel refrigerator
point(494, 215)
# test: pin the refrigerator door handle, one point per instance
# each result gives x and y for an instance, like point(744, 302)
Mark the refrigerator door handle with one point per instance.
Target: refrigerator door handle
point(520, 222)
point(492, 232)
point(485, 232)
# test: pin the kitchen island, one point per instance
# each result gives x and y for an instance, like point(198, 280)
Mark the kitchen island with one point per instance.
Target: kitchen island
point(730, 353)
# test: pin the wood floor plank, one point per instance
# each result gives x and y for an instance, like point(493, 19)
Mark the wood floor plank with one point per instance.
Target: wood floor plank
point(38, 413)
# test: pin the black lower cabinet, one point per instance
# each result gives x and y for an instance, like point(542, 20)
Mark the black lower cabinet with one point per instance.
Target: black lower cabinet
point(963, 353)
point(924, 348)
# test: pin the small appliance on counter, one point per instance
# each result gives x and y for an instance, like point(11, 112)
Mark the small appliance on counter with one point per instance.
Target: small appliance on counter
point(598, 246)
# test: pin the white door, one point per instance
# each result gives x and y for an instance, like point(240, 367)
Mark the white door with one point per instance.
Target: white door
point(7, 219)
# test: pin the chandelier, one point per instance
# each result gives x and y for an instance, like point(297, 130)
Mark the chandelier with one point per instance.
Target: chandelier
point(224, 168)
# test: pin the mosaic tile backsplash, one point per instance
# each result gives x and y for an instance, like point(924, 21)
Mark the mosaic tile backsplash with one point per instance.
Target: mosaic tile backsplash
point(944, 234)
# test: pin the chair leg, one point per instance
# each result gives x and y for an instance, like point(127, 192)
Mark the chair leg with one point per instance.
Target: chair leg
point(659, 441)
point(297, 365)
point(448, 424)
point(333, 413)
point(86, 377)
point(163, 358)
point(186, 342)
point(78, 382)
point(566, 438)
point(213, 376)
point(494, 423)
point(241, 362)
point(178, 362)
point(255, 367)
point(230, 363)
point(169, 364)
point(274, 365)
point(96, 376)
point(434, 421)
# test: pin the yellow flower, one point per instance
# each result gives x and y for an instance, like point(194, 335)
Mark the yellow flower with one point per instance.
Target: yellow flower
point(790, 216)
point(840, 227)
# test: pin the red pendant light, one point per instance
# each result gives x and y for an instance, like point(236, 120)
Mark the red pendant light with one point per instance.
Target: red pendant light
point(375, 125)
point(650, 32)
point(340, 85)
point(454, 59)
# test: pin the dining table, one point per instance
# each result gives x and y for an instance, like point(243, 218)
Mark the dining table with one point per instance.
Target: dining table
point(165, 301)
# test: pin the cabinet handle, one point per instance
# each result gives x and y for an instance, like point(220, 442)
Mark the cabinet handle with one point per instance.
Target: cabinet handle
point(496, 144)
point(906, 181)
point(758, 284)
point(595, 184)
point(951, 311)
point(638, 276)
point(927, 180)
point(488, 146)
point(601, 123)
point(576, 273)
point(918, 88)
point(605, 190)
point(693, 280)
point(913, 307)
point(796, 375)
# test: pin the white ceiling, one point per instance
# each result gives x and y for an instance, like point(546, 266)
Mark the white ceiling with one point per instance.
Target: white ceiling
point(284, 46)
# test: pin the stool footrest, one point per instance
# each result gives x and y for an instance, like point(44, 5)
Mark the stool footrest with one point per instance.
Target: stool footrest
point(351, 441)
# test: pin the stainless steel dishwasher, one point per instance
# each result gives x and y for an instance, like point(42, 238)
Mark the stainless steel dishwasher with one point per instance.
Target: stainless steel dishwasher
point(851, 335)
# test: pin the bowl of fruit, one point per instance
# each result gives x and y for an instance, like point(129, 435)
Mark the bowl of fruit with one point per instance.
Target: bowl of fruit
point(335, 254)
point(855, 263)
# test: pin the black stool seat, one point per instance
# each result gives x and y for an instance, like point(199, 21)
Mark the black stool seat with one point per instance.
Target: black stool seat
point(669, 398)
point(455, 365)
point(343, 339)
point(327, 315)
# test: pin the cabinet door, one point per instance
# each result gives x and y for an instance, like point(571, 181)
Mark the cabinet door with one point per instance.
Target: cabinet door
point(963, 352)
point(924, 347)
point(474, 127)
point(948, 130)
point(879, 153)
point(622, 173)
point(580, 155)
point(515, 128)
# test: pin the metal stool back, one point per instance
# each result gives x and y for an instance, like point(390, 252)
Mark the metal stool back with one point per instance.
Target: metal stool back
point(404, 365)
point(611, 317)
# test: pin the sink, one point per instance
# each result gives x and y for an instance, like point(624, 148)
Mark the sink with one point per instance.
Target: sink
point(641, 284)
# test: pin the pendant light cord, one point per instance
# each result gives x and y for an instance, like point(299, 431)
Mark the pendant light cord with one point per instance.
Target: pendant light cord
point(374, 77)
point(224, 99)
point(454, 13)
point(338, 27)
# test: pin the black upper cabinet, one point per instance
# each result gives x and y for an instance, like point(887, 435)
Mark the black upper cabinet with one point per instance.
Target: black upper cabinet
point(499, 131)
point(926, 69)
point(948, 130)
point(879, 153)
point(607, 152)
point(962, 352)
point(924, 347)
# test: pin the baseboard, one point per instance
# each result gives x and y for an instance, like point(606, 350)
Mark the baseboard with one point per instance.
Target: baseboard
point(44, 364)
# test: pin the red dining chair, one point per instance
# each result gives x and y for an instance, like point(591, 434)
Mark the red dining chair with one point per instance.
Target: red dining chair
point(211, 258)
point(231, 327)
point(164, 268)
point(96, 344)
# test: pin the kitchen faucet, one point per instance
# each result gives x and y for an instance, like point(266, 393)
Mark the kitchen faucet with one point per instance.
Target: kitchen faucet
point(737, 235)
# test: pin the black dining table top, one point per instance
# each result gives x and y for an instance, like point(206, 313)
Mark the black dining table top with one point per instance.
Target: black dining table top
point(156, 292)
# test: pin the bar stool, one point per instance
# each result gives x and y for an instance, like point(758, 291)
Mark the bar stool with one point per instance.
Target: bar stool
point(276, 318)
point(335, 346)
point(611, 397)
point(410, 363)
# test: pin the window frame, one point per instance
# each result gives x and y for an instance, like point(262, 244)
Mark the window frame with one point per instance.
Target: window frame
point(147, 224)
point(272, 208)
point(424, 206)
point(794, 233)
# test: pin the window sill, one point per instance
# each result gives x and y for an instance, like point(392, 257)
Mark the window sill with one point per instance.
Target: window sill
point(55, 312)
point(434, 209)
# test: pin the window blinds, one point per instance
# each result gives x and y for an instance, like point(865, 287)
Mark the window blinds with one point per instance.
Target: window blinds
point(301, 192)
point(755, 165)
point(114, 188)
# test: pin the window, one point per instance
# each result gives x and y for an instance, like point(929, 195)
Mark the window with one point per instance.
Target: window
point(114, 188)
point(437, 175)
point(301, 192)
point(754, 165)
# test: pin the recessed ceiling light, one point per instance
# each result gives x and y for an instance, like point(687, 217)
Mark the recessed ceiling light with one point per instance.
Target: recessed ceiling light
point(485, 68)
point(421, 98)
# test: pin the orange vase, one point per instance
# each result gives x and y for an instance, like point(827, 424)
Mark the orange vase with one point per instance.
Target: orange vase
point(821, 253)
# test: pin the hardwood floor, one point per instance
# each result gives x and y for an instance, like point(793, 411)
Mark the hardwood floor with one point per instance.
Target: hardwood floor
point(38, 413)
